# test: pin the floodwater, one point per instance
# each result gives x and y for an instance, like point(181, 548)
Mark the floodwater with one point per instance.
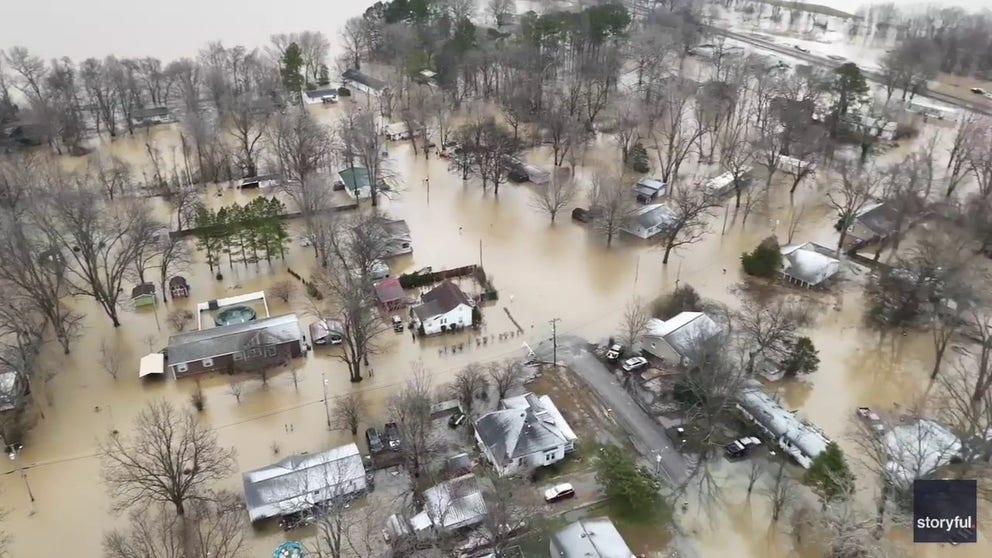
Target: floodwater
point(542, 271)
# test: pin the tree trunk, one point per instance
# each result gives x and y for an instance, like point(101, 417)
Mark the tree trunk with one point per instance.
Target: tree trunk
point(668, 250)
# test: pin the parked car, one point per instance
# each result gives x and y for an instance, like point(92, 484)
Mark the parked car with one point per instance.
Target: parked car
point(392, 435)
point(378, 270)
point(397, 324)
point(634, 364)
point(374, 441)
point(449, 148)
point(586, 215)
point(872, 418)
point(456, 420)
point(977, 90)
point(613, 353)
point(338, 185)
point(801, 48)
point(740, 447)
point(559, 492)
point(836, 57)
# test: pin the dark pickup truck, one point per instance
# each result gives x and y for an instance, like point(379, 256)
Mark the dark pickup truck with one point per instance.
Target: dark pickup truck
point(392, 436)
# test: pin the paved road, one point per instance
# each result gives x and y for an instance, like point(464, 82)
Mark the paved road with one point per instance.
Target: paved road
point(648, 435)
point(765, 44)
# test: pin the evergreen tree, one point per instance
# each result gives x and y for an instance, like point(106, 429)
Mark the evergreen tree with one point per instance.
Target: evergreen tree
point(803, 358)
point(828, 475)
point(765, 260)
point(292, 63)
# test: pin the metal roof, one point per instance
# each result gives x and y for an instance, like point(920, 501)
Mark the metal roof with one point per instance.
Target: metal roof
point(298, 482)
point(226, 340)
point(590, 538)
point(518, 431)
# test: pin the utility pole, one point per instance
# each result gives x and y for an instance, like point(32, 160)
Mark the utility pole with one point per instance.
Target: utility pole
point(554, 340)
point(327, 410)
point(427, 182)
point(480, 252)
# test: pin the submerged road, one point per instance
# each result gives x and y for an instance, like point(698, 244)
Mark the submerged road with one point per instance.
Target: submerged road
point(979, 107)
point(648, 435)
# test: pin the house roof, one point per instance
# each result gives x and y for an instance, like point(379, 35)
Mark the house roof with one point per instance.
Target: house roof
point(457, 502)
point(150, 112)
point(781, 422)
point(143, 289)
point(225, 340)
point(357, 76)
point(649, 186)
point(152, 363)
point(652, 215)
point(879, 218)
point(389, 289)
point(321, 93)
point(683, 330)
point(260, 178)
point(591, 538)
point(299, 481)
point(916, 450)
point(528, 424)
point(177, 281)
point(808, 263)
point(355, 179)
point(440, 300)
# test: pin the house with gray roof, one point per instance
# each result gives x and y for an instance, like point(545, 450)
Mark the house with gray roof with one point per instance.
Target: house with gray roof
point(526, 432)
point(443, 308)
point(590, 538)
point(649, 220)
point(809, 265)
point(399, 241)
point(876, 221)
point(301, 482)
point(675, 339)
point(917, 449)
point(363, 82)
point(248, 346)
point(151, 116)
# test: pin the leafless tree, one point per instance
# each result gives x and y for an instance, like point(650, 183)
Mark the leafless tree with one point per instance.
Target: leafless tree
point(236, 388)
point(248, 118)
point(554, 196)
point(350, 299)
point(110, 358)
point(368, 146)
point(348, 412)
point(768, 327)
point(736, 158)
point(101, 242)
point(210, 528)
point(634, 323)
point(672, 128)
point(469, 384)
point(806, 153)
point(506, 376)
point(179, 318)
point(411, 409)
point(691, 208)
point(978, 156)
point(101, 94)
point(112, 173)
point(855, 190)
point(500, 9)
point(611, 198)
point(490, 147)
point(283, 290)
point(169, 459)
point(781, 492)
point(845, 529)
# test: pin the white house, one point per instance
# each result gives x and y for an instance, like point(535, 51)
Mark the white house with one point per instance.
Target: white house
point(261, 181)
point(301, 482)
point(918, 449)
point(723, 184)
point(649, 220)
point(589, 538)
point(802, 441)
point(320, 96)
point(451, 505)
point(526, 432)
point(362, 82)
point(397, 131)
point(808, 265)
point(444, 307)
point(674, 340)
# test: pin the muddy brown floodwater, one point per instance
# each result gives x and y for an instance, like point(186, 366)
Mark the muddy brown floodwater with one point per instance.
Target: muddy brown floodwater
point(542, 271)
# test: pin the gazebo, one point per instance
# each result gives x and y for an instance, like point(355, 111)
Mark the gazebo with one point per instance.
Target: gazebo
point(178, 287)
point(390, 294)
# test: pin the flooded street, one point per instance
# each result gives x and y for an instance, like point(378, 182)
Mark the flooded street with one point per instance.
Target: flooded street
point(542, 271)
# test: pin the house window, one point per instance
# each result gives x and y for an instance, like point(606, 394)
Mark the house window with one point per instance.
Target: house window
point(208, 362)
point(520, 462)
point(549, 456)
point(182, 367)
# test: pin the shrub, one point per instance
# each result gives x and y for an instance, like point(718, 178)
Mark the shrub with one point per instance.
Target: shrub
point(313, 292)
point(803, 358)
point(638, 158)
point(684, 299)
point(765, 260)
point(180, 318)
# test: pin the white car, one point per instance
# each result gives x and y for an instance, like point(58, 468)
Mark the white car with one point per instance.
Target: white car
point(634, 363)
point(378, 270)
point(801, 48)
point(614, 352)
point(559, 492)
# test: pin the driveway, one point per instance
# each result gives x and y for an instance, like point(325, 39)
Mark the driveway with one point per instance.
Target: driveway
point(647, 434)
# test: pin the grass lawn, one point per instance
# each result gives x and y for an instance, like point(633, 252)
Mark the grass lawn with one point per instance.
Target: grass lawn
point(646, 531)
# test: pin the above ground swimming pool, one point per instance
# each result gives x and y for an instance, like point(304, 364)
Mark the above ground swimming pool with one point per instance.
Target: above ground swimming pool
point(234, 315)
